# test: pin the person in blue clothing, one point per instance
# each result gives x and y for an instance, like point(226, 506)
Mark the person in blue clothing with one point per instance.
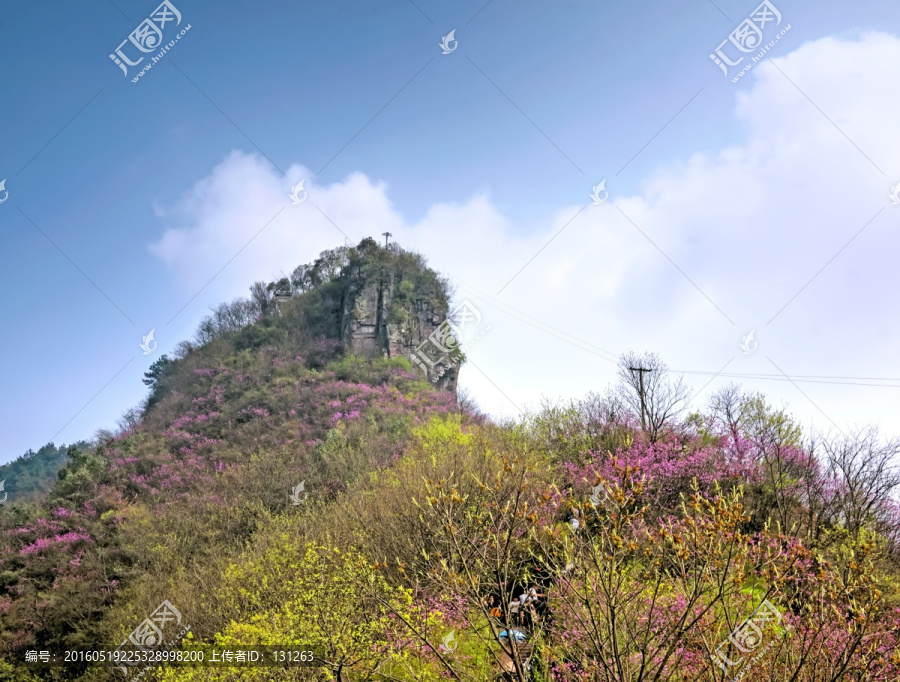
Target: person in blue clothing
point(520, 640)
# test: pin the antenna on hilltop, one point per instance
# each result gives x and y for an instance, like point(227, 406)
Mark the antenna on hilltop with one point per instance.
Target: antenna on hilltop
point(386, 235)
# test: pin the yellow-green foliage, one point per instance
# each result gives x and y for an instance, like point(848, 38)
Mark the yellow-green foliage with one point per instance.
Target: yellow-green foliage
point(307, 595)
point(439, 433)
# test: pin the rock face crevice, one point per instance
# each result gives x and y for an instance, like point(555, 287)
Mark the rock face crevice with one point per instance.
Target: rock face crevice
point(379, 321)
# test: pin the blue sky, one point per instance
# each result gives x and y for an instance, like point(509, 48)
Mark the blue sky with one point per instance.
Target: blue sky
point(725, 198)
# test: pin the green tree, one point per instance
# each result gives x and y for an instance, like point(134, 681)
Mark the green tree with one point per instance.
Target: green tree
point(157, 370)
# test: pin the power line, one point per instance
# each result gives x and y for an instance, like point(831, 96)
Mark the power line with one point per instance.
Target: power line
point(605, 354)
point(519, 315)
point(762, 375)
point(789, 377)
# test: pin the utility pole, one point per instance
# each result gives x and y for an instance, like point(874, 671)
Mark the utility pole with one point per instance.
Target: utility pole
point(643, 409)
point(386, 235)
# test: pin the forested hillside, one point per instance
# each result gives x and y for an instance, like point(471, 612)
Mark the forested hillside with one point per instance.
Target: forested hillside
point(29, 477)
point(289, 482)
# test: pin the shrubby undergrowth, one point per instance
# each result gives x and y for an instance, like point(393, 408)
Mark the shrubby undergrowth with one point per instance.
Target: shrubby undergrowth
point(427, 536)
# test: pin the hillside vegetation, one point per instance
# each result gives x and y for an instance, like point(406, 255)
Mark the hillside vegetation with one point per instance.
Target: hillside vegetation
point(586, 541)
point(31, 476)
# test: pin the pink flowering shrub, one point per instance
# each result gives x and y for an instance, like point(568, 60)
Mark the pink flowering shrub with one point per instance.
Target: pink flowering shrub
point(645, 556)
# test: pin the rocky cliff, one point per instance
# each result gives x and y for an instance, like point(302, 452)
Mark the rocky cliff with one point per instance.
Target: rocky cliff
point(395, 306)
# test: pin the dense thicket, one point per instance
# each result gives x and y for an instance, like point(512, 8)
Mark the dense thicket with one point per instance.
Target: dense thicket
point(427, 543)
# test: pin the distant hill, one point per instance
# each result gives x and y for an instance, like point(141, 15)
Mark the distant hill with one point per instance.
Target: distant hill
point(30, 477)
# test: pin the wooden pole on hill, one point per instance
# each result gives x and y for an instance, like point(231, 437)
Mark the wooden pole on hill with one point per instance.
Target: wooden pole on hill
point(643, 409)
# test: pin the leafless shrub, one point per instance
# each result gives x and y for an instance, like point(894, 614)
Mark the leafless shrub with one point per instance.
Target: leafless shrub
point(656, 395)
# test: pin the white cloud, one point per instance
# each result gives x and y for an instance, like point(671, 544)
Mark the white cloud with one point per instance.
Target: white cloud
point(243, 210)
point(750, 226)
